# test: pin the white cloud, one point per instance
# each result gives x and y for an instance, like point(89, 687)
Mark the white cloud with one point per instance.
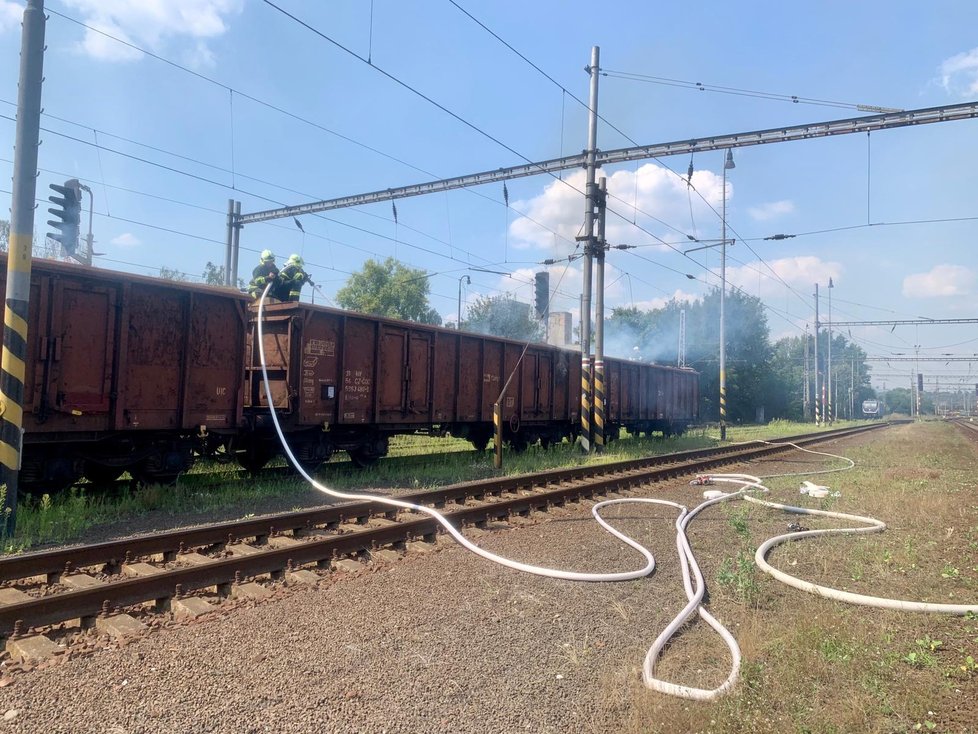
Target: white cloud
point(126, 239)
point(655, 303)
point(801, 273)
point(771, 210)
point(11, 14)
point(151, 23)
point(959, 74)
point(650, 191)
point(942, 280)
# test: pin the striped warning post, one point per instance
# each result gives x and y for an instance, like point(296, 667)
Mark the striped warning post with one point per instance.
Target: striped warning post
point(14, 356)
point(599, 405)
point(586, 403)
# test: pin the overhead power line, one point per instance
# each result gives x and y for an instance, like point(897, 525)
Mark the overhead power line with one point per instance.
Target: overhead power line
point(699, 86)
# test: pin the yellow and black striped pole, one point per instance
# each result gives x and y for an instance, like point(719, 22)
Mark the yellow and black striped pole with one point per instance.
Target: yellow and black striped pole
point(497, 432)
point(599, 405)
point(586, 402)
point(13, 361)
point(599, 251)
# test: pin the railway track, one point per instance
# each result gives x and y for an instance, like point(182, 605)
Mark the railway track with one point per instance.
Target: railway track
point(188, 571)
point(968, 427)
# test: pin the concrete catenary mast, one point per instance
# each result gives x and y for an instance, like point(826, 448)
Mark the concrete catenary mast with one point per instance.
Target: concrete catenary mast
point(13, 368)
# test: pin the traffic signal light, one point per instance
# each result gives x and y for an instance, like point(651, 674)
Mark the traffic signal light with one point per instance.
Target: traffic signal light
point(541, 290)
point(920, 382)
point(68, 214)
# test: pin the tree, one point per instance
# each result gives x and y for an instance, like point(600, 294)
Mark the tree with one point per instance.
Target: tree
point(4, 235)
point(213, 274)
point(503, 316)
point(389, 289)
point(171, 274)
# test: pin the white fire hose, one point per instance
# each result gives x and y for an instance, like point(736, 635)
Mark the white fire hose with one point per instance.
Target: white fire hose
point(693, 581)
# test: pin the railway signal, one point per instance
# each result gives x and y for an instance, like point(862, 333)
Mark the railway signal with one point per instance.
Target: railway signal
point(68, 211)
point(541, 291)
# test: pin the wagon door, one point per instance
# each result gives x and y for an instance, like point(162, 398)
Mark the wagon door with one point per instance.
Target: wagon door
point(405, 372)
point(80, 348)
point(545, 385)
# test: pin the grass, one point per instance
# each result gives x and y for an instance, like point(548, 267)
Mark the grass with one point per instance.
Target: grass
point(815, 666)
point(71, 516)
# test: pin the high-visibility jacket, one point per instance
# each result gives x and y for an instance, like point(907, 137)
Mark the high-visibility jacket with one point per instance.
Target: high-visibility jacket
point(260, 277)
point(290, 281)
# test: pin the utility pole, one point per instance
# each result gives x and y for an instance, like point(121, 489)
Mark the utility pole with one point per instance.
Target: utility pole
point(599, 321)
point(591, 196)
point(89, 240)
point(681, 354)
point(728, 163)
point(828, 372)
point(19, 261)
point(806, 391)
point(818, 413)
point(229, 243)
point(852, 389)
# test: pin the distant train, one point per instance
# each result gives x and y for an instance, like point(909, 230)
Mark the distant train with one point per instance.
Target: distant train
point(138, 374)
point(872, 408)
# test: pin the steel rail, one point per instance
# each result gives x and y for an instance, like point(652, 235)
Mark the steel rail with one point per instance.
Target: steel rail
point(18, 617)
point(115, 552)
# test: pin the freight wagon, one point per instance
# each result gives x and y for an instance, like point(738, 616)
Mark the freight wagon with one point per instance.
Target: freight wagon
point(125, 372)
point(347, 381)
point(139, 374)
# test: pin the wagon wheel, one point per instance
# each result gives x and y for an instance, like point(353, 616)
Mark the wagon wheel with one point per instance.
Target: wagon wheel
point(362, 458)
point(254, 458)
point(100, 474)
point(480, 440)
point(146, 477)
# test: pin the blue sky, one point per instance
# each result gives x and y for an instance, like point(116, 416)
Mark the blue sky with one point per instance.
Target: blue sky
point(369, 133)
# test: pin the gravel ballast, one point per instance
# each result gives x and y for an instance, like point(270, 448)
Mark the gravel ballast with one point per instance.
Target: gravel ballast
point(442, 641)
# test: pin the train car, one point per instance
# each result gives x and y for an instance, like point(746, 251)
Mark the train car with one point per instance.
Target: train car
point(347, 381)
point(125, 372)
point(872, 408)
point(142, 374)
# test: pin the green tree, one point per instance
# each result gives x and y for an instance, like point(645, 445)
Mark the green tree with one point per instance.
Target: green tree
point(171, 273)
point(4, 235)
point(389, 289)
point(213, 274)
point(503, 316)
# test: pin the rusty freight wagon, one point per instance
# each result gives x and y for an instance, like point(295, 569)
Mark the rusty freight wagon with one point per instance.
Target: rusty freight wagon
point(126, 372)
point(347, 381)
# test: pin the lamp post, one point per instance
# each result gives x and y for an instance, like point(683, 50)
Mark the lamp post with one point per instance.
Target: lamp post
point(468, 281)
point(727, 164)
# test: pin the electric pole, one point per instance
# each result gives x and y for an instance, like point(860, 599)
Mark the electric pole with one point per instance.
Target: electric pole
point(15, 339)
point(591, 197)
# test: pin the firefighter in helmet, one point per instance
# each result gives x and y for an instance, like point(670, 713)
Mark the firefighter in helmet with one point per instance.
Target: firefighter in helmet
point(291, 279)
point(263, 274)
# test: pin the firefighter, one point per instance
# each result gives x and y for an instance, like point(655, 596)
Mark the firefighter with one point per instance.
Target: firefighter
point(290, 279)
point(265, 272)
